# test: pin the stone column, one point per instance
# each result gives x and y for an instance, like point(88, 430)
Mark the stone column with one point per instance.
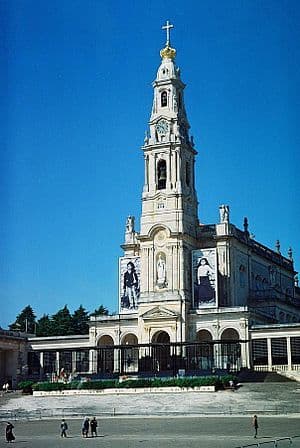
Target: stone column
point(216, 361)
point(57, 363)
point(289, 352)
point(151, 261)
point(145, 187)
point(117, 353)
point(173, 171)
point(178, 172)
point(92, 361)
point(175, 155)
point(169, 171)
point(152, 171)
point(73, 362)
point(269, 346)
point(41, 365)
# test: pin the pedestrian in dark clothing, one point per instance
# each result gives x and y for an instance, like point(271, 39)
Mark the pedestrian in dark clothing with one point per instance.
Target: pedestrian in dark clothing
point(85, 427)
point(9, 432)
point(255, 425)
point(94, 425)
point(63, 427)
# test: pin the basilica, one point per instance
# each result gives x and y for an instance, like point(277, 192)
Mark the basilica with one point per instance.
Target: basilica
point(193, 298)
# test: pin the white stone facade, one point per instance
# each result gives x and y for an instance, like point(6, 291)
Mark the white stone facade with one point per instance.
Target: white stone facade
point(170, 231)
point(254, 284)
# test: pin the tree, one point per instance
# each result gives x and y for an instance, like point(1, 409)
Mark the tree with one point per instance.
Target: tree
point(44, 326)
point(80, 319)
point(101, 311)
point(25, 321)
point(62, 322)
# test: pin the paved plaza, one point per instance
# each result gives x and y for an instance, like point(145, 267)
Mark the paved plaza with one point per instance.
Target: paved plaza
point(159, 432)
point(208, 420)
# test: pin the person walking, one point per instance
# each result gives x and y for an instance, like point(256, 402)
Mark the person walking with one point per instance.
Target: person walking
point(9, 432)
point(94, 425)
point(63, 427)
point(85, 427)
point(255, 425)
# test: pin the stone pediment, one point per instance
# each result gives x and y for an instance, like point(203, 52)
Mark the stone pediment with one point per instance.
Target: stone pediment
point(159, 312)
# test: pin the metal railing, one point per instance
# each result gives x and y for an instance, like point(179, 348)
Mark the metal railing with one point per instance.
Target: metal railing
point(275, 443)
point(276, 368)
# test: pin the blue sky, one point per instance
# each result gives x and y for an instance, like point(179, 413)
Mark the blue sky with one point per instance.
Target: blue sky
point(75, 100)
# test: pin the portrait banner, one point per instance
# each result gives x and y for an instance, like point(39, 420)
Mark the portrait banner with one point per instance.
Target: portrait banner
point(129, 284)
point(205, 278)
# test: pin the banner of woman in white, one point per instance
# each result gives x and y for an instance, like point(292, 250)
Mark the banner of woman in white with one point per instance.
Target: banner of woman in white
point(129, 284)
point(205, 278)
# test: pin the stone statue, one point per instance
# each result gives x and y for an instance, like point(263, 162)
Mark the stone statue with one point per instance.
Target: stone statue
point(161, 271)
point(224, 213)
point(146, 139)
point(130, 224)
point(129, 230)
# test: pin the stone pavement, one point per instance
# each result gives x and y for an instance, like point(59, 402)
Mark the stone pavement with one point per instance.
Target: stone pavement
point(250, 398)
point(208, 420)
point(160, 432)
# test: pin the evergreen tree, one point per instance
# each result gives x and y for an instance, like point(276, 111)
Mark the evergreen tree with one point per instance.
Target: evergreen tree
point(80, 320)
point(44, 326)
point(62, 322)
point(25, 321)
point(101, 311)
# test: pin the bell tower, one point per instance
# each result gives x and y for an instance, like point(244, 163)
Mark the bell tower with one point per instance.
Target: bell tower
point(169, 217)
point(169, 194)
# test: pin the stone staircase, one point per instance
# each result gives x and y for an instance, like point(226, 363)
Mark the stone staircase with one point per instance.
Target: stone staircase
point(251, 376)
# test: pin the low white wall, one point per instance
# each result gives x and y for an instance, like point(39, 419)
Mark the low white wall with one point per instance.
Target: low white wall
point(117, 391)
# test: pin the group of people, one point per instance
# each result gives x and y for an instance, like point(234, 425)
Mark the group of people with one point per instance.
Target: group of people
point(88, 426)
point(5, 387)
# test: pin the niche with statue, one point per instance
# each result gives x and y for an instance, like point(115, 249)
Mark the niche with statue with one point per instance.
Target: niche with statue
point(161, 270)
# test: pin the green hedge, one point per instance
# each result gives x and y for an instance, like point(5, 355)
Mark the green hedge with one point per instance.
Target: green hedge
point(218, 381)
point(26, 386)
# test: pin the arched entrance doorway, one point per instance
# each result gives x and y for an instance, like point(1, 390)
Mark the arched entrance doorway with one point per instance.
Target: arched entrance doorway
point(129, 354)
point(200, 352)
point(204, 351)
point(161, 351)
point(161, 337)
point(105, 360)
point(230, 350)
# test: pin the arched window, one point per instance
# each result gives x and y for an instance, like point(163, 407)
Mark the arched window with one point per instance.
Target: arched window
point(161, 174)
point(164, 99)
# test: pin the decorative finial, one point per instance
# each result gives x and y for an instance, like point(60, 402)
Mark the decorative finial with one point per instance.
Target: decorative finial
point(277, 247)
point(246, 225)
point(168, 52)
point(290, 254)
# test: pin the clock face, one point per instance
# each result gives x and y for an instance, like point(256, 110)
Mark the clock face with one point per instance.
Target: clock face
point(162, 127)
